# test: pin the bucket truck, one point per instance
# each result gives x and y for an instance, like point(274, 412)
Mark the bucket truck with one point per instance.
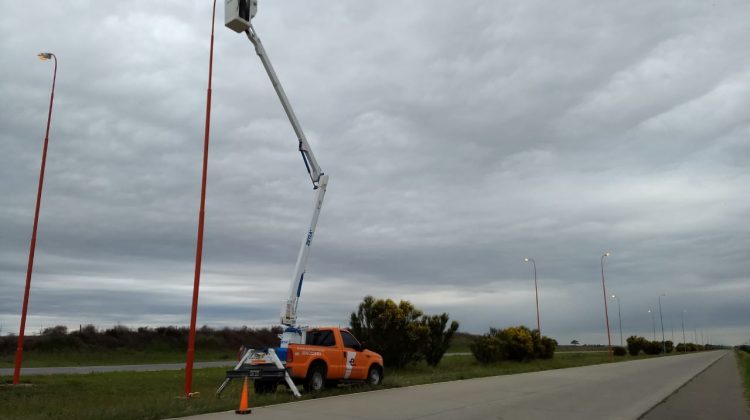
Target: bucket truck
point(316, 356)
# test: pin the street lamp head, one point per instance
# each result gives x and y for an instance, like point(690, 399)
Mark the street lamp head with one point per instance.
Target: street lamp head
point(613, 296)
point(44, 56)
point(649, 311)
point(607, 254)
point(526, 259)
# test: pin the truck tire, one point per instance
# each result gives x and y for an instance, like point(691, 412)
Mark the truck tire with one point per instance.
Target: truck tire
point(375, 375)
point(316, 378)
point(265, 387)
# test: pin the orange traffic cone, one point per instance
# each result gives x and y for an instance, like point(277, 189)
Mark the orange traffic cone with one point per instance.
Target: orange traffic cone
point(243, 400)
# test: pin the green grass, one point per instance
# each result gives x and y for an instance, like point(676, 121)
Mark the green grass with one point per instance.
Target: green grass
point(743, 361)
point(114, 357)
point(465, 367)
point(155, 395)
point(460, 343)
point(33, 359)
point(121, 395)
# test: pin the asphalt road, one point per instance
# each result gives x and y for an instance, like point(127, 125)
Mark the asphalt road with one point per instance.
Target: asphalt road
point(715, 393)
point(623, 390)
point(112, 368)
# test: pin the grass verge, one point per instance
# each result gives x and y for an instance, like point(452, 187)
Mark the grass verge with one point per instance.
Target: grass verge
point(113, 357)
point(99, 357)
point(743, 362)
point(155, 395)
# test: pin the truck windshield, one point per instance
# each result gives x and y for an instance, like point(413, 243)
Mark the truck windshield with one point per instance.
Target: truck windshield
point(349, 340)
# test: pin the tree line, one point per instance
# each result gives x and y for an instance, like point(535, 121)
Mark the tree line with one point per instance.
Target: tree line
point(91, 338)
point(637, 344)
point(402, 333)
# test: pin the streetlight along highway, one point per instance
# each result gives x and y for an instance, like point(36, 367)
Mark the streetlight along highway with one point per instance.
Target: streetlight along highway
point(536, 291)
point(606, 314)
point(19, 348)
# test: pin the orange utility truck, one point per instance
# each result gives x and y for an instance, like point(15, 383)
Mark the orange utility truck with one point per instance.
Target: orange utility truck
point(329, 356)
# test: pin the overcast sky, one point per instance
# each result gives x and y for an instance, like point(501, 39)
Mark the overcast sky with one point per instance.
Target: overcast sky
point(459, 136)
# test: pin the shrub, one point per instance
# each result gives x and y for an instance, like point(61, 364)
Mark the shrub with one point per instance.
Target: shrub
point(548, 347)
point(8, 344)
point(514, 343)
point(652, 347)
point(669, 345)
point(681, 347)
point(439, 338)
point(54, 342)
point(487, 348)
point(544, 347)
point(636, 345)
point(401, 333)
point(56, 330)
point(86, 334)
point(519, 345)
point(391, 329)
point(619, 351)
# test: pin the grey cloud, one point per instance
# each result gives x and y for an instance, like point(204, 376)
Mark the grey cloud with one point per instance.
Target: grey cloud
point(459, 137)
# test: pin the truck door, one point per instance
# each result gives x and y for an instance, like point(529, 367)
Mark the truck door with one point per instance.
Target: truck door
point(354, 365)
point(331, 351)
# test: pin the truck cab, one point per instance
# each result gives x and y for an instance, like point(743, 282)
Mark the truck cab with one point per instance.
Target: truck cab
point(331, 355)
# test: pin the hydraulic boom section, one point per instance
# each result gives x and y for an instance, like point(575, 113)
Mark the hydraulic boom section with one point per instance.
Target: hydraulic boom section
point(307, 155)
point(238, 14)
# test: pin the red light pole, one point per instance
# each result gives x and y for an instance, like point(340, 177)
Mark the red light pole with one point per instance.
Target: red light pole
point(619, 317)
point(684, 340)
point(536, 290)
point(606, 313)
point(32, 247)
point(199, 245)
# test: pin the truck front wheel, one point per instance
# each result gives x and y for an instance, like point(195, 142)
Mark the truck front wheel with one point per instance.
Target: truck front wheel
point(375, 375)
point(316, 378)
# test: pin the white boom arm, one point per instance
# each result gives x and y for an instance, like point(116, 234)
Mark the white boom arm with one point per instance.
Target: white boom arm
point(307, 155)
point(289, 311)
point(319, 180)
point(238, 16)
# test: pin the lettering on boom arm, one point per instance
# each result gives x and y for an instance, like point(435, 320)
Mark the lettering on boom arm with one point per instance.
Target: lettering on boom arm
point(309, 238)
